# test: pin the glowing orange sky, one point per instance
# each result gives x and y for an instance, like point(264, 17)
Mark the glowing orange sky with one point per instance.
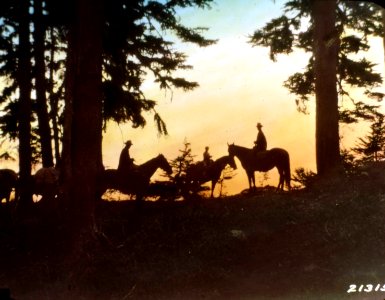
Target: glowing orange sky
point(237, 90)
point(239, 86)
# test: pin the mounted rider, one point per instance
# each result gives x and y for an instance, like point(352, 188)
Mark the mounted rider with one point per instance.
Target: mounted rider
point(126, 163)
point(207, 158)
point(260, 143)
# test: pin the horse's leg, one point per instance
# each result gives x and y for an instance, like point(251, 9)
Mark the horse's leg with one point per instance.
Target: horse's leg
point(286, 171)
point(287, 179)
point(251, 177)
point(281, 180)
point(213, 183)
point(288, 175)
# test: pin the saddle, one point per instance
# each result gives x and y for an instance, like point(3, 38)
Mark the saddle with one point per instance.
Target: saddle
point(258, 151)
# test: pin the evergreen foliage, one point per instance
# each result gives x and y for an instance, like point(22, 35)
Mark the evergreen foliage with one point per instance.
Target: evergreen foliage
point(183, 161)
point(356, 23)
point(372, 146)
point(138, 43)
point(306, 178)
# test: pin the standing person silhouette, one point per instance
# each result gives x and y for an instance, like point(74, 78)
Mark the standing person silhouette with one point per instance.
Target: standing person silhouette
point(260, 143)
point(125, 161)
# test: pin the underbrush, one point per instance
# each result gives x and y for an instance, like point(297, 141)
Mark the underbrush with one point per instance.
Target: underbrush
point(305, 244)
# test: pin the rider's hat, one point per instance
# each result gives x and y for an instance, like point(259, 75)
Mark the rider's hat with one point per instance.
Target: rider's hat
point(128, 143)
point(259, 125)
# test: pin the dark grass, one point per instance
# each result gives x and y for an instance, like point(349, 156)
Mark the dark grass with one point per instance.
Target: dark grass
point(307, 244)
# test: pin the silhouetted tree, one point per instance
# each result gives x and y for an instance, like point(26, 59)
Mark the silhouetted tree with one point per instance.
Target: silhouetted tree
point(132, 37)
point(137, 40)
point(37, 18)
point(182, 162)
point(83, 150)
point(87, 49)
point(136, 43)
point(24, 105)
point(44, 130)
point(330, 45)
point(372, 146)
point(306, 178)
point(325, 50)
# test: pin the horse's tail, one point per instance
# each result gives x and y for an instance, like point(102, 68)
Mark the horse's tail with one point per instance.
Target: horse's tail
point(287, 172)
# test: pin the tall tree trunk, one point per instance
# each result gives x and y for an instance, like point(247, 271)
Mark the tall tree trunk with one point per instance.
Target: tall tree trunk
point(54, 98)
point(326, 43)
point(41, 85)
point(24, 115)
point(83, 140)
point(383, 32)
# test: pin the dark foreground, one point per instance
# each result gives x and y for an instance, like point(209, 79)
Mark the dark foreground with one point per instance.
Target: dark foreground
point(313, 244)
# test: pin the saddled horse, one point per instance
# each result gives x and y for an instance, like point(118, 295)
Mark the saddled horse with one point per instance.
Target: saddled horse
point(8, 181)
point(46, 183)
point(198, 173)
point(263, 162)
point(137, 180)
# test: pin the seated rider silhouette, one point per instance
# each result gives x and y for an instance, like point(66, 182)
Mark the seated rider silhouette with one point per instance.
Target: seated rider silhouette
point(126, 163)
point(206, 158)
point(260, 143)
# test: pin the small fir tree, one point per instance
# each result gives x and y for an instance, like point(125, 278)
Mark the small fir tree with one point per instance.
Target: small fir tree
point(181, 163)
point(371, 147)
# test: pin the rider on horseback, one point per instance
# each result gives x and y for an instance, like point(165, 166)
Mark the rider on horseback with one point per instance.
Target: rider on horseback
point(126, 163)
point(260, 143)
point(207, 157)
point(207, 161)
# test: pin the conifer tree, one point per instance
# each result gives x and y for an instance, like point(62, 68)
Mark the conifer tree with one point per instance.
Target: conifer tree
point(372, 146)
point(302, 27)
point(138, 41)
point(182, 162)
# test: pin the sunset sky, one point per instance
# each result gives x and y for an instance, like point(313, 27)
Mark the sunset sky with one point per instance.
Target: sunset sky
point(239, 86)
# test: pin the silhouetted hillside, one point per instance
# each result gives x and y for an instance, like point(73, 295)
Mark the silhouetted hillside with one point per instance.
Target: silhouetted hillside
point(305, 244)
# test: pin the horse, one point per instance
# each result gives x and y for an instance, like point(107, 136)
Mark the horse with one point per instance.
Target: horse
point(46, 183)
point(263, 161)
point(8, 181)
point(137, 180)
point(198, 173)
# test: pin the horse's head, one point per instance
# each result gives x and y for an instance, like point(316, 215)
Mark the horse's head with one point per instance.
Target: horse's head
point(231, 150)
point(231, 162)
point(164, 165)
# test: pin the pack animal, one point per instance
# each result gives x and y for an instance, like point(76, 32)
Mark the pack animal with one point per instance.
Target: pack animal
point(8, 182)
point(198, 173)
point(46, 183)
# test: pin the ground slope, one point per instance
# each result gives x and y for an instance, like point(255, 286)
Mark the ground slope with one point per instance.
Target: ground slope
point(305, 244)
